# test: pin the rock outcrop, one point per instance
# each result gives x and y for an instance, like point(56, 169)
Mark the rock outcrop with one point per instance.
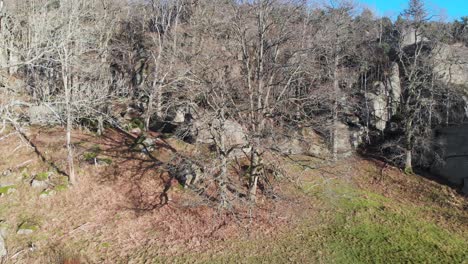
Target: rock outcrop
point(234, 133)
point(393, 85)
point(44, 115)
point(409, 37)
point(451, 63)
point(379, 107)
point(384, 99)
point(453, 142)
point(348, 139)
point(303, 142)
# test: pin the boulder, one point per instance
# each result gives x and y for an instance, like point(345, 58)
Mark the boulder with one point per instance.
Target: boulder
point(37, 184)
point(179, 116)
point(348, 139)
point(24, 231)
point(26, 228)
point(11, 82)
point(290, 146)
point(44, 115)
point(234, 133)
point(149, 143)
point(186, 172)
point(47, 193)
point(3, 250)
point(6, 173)
point(131, 113)
point(183, 113)
point(315, 144)
point(304, 142)
point(3, 229)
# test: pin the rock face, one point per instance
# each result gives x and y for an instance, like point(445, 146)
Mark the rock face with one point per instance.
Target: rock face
point(393, 84)
point(452, 63)
point(465, 186)
point(234, 132)
point(453, 141)
point(44, 115)
point(379, 107)
point(466, 105)
point(10, 81)
point(385, 98)
point(409, 37)
point(304, 142)
point(347, 139)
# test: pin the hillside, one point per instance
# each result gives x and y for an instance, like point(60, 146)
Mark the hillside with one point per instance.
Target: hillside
point(260, 131)
point(356, 210)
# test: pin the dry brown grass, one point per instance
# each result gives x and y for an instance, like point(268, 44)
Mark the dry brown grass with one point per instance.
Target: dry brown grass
point(116, 209)
point(115, 213)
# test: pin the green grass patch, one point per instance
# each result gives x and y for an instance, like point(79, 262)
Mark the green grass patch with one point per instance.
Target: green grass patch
point(89, 156)
point(6, 189)
point(29, 225)
point(107, 161)
point(61, 187)
point(136, 123)
point(43, 176)
point(355, 226)
point(371, 229)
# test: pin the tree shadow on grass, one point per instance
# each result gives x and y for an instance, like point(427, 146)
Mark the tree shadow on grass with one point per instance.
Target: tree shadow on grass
point(146, 175)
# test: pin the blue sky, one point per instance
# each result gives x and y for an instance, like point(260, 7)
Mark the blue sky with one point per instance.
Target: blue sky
point(452, 9)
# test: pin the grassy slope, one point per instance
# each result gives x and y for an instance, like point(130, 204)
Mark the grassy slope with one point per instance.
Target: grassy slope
point(358, 225)
point(359, 215)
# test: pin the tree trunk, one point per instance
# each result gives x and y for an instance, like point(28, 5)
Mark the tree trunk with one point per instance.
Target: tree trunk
point(224, 164)
point(149, 111)
point(409, 161)
point(159, 94)
point(155, 95)
point(222, 182)
point(260, 71)
point(71, 167)
point(100, 128)
point(255, 172)
point(336, 90)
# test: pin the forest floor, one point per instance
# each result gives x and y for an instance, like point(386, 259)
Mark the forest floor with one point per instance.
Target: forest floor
point(353, 211)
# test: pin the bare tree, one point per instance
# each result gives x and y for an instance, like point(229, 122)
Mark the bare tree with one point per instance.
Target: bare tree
point(336, 45)
point(417, 76)
point(263, 31)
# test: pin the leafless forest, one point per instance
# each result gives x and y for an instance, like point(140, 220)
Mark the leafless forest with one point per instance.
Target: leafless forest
point(245, 82)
